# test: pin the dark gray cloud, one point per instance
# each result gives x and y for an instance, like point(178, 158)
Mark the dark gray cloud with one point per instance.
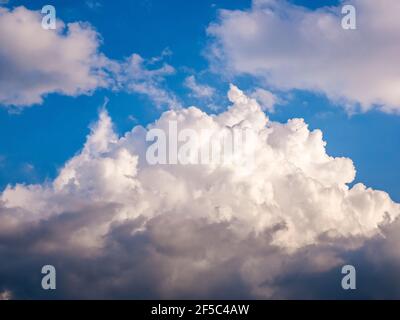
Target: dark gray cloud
point(146, 265)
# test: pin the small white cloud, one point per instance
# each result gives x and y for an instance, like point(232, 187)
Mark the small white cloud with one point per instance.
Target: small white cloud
point(167, 52)
point(198, 90)
point(93, 4)
point(266, 99)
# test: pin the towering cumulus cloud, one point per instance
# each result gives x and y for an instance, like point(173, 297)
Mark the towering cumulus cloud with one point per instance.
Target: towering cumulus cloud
point(115, 226)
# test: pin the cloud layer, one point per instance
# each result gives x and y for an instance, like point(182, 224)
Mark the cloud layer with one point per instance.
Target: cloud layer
point(116, 227)
point(291, 47)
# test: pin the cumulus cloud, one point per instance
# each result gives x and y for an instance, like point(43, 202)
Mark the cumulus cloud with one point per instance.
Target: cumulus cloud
point(115, 226)
point(35, 62)
point(92, 4)
point(198, 90)
point(292, 47)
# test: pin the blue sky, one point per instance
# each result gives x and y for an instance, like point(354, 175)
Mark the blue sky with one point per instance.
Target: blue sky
point(37, 141)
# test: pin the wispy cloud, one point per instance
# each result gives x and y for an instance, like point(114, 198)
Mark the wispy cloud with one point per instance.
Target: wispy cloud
point(138, 75)
point(170, 231)
point(66, 61)
point(198, 90)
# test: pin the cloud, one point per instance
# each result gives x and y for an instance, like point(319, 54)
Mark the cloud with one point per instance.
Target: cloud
point(198, 90)
point(5, 295)
point(266, 98)
point(292, 47)
point(140, 76)
point(35, 62)
point(92, 4)
point(116, 227)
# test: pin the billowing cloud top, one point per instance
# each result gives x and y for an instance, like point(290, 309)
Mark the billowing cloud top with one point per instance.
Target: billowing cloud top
point(292, 47)
point(116, 226)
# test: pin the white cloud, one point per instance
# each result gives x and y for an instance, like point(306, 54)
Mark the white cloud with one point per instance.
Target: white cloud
point(137, 75)
point(266, 99)
point(165, 227)
point(198, 90)
point(35, 62)
point(5, 295)
point(291, 47)
point(92, 4)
